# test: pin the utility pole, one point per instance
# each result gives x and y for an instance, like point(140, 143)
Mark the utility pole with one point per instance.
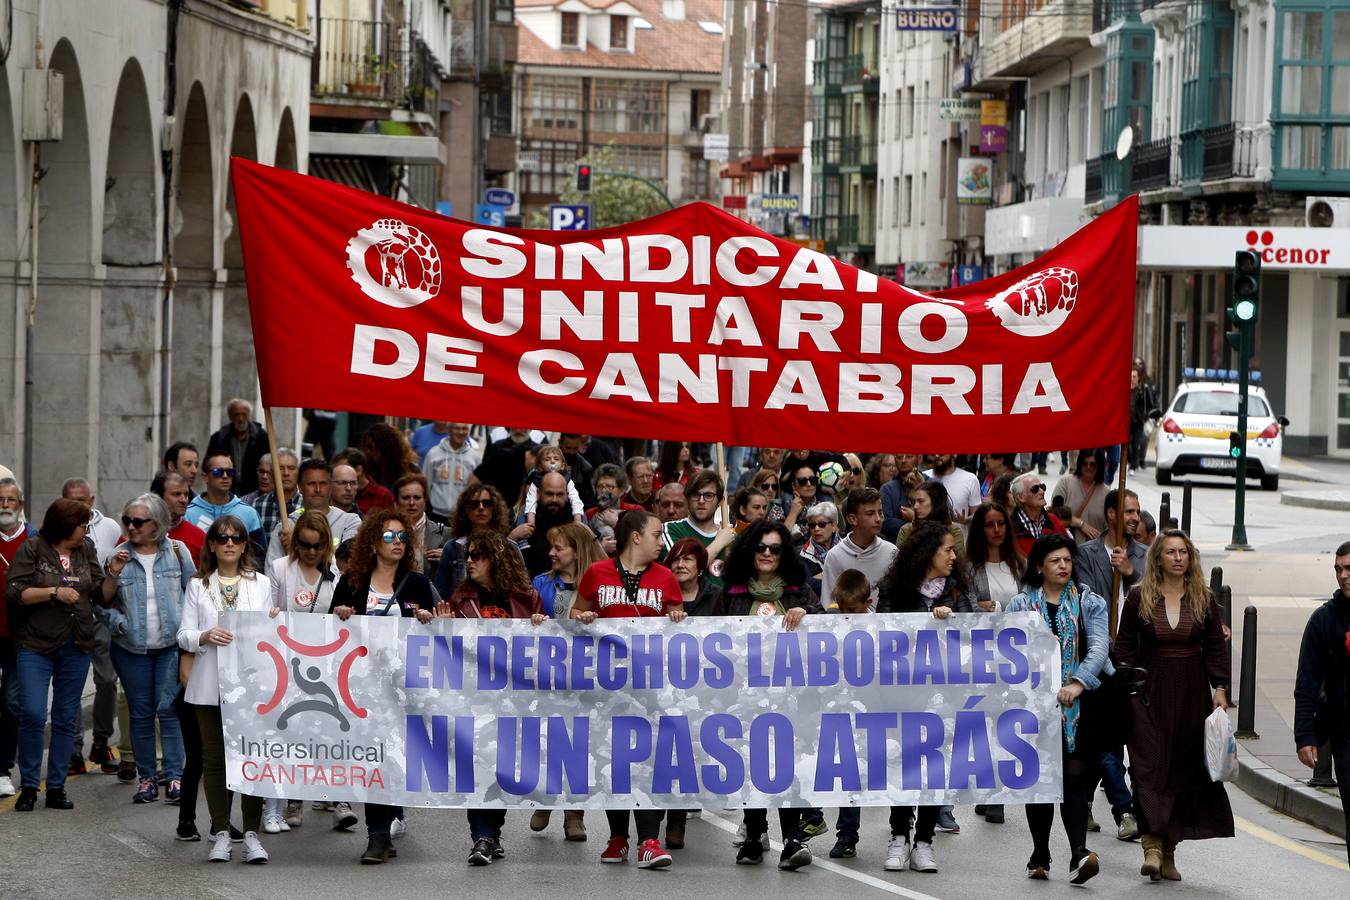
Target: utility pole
point(1242, 313)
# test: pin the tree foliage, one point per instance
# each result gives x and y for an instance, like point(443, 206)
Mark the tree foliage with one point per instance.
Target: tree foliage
point(613, 201)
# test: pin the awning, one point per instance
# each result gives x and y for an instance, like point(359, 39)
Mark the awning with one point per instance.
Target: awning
point(355, 173)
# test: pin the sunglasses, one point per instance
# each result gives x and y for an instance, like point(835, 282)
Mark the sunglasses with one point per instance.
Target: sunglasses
point(1038, 489)
point(770, 485)
point(219, 472)
point(481, 504)
point(705, 496)
point(802, 482)
point(771, 549)
point(135, 522)
point(856, 470)
point(306, 545)
point(230, 539)
point(390, 537)
point(819, 524)
point(475, 555)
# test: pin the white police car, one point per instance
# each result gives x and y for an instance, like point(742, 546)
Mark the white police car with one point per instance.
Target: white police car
point(1193, 435)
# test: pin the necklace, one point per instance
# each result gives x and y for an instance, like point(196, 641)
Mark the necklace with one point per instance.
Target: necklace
point(228, 596)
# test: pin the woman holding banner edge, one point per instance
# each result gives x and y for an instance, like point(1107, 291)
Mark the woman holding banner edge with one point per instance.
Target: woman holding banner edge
point(632, 585)
point(764, 576)
point(1078, 619)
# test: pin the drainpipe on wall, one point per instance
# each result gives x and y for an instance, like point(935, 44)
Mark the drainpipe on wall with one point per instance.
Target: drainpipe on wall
point(34, 227)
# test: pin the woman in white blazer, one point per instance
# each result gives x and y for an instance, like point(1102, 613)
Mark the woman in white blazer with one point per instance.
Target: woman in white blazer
point(225, 580)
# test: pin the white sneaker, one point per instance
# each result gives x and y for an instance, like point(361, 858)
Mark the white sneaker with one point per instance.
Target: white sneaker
point(343, 817)
point(897, 854)
point(220, 847)
point(921, 857)
point(253, 849)
point(272, 824)
point(6, 786)
point(398, 828)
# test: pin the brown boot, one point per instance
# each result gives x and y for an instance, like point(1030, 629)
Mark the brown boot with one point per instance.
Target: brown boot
point(574, 826)
point(1152, 866)
point(675, 822)
point(539, 821)
point(1169, 863)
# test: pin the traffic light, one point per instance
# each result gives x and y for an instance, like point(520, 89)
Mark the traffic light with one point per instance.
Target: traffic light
point(1235, 447)
point(1246, 286)
point(583, 177)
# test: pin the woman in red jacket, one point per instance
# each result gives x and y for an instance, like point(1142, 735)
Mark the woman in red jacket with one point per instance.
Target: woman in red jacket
point(496, 586)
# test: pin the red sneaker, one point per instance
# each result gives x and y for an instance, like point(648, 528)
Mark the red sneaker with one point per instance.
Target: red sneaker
point(616, 852)
point(651, 856)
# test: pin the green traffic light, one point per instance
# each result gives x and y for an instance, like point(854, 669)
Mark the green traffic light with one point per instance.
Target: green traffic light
point(1235, 452)
point(1244, 310)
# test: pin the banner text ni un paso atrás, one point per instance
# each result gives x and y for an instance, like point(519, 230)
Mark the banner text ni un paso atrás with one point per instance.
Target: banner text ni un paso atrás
point(690, 325)
point(862, 710)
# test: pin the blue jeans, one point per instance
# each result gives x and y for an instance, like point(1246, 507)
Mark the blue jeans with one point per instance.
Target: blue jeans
point(848, 823)
point(1112, 764)
point(9, 706)
point(486, 824)
point(65, 670)
point(150, 681)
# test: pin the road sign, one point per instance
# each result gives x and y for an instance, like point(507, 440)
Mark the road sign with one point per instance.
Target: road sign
point(716, 147)
point(780, 203)
point(496, 196)
point(926, 18)
point(562, 217)
point(487, 214)
point(969, 274)
point(445, 208)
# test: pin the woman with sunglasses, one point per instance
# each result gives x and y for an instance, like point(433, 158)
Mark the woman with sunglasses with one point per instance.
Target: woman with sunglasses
point(479, 506)
point(54, 581)
point(929, 501)
point(381, 581)
point(303, 581)
point(1084, 493)
point(1078, 619)
point(805, 488)
point(496, 587)
point(924, 578)
point(822, 529)
point(152, 572)
point(225, 581)
point(764, 577)
point(768, 481)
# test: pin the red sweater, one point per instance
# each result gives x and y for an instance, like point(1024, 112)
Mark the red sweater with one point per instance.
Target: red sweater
point(9, 547)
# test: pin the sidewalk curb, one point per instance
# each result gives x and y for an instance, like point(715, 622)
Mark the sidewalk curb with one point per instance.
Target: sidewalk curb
point(1286, 795)
point(1315, 499)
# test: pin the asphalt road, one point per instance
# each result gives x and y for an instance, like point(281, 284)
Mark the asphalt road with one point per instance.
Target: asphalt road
point(110, 849)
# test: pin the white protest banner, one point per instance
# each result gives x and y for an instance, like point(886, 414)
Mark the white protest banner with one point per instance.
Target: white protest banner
point(846, 710)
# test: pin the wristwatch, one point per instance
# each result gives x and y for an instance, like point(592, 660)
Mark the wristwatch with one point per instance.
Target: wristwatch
point(52, 598)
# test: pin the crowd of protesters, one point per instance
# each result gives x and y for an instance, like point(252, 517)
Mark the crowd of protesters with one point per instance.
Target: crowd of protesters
point(454, 521)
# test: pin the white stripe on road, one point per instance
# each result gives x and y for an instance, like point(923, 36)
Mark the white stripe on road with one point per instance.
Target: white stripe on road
point(136, 845)
point(713, 818)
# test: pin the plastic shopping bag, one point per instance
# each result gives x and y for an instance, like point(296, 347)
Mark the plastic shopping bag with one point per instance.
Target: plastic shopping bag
point(1220, 747)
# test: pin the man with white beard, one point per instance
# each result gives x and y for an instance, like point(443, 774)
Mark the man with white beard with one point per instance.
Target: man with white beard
point(13, 532)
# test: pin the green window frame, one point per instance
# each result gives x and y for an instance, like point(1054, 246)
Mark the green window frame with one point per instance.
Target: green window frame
point(1127, 97)
point(1206, 81)
point(1311, 94)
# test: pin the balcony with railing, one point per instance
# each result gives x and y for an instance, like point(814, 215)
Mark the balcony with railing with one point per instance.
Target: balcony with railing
point(859, 153)
point(371, 63)
point(861, 71)
point(1152, 165)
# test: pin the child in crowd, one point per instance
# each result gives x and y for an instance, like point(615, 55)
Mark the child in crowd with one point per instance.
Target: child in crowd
point(549, 458)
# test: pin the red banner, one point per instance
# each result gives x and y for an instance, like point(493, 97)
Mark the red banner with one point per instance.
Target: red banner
point(690, 325)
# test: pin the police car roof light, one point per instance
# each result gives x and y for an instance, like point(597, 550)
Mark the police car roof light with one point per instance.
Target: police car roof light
point(1188, 372)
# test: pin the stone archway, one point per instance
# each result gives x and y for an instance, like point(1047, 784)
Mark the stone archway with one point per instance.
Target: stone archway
point(65, 340)
point(132, 306)
point(285, 157)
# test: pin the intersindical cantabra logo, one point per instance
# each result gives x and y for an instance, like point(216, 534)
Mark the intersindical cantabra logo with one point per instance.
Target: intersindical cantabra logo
point(320, 698)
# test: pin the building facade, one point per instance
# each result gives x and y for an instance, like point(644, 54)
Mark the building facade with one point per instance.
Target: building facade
point(140, 326)
point(639, 77)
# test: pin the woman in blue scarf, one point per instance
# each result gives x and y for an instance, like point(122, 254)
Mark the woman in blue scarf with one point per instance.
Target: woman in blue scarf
point(1078, 619)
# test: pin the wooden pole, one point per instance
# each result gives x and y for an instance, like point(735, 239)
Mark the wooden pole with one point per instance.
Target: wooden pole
point(722, 473)
point(276, 475)
point(1117, 537)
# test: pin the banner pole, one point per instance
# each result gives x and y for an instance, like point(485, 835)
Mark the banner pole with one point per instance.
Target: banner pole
point(722, 473)
point(276, 475)
point(1117, 536)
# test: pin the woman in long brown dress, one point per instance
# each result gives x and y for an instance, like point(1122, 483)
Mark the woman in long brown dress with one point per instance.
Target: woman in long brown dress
point(1172, 627)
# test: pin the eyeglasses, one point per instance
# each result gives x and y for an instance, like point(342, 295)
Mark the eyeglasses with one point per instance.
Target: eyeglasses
point(131, 522)
point(306, 545)
point(475, 555)
point(771, 549)
point(390, 536)
point(10, 501)
point(1037, 489)
point(825, 524)
point(230, 539)
point(345, 484)
point(481, 504)
point(803, 481)
point(220, 472)
point(705, 495)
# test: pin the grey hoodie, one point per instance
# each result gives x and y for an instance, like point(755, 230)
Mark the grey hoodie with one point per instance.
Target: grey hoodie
point(874, 562)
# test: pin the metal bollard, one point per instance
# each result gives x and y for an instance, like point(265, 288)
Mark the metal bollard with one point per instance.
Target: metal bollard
point(1322, 775)
point(1215, 584)
point(1247, 711)
point(1186, 506)
point(1165, 510)
point(1226, 607)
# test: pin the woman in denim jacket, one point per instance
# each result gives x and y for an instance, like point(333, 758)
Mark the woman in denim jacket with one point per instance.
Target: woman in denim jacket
point(152, 572)
point(1078, 619)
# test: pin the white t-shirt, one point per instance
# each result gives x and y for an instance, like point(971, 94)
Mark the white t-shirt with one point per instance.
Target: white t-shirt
point(153, 638)
point(1002, 583)
point(963, 489)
